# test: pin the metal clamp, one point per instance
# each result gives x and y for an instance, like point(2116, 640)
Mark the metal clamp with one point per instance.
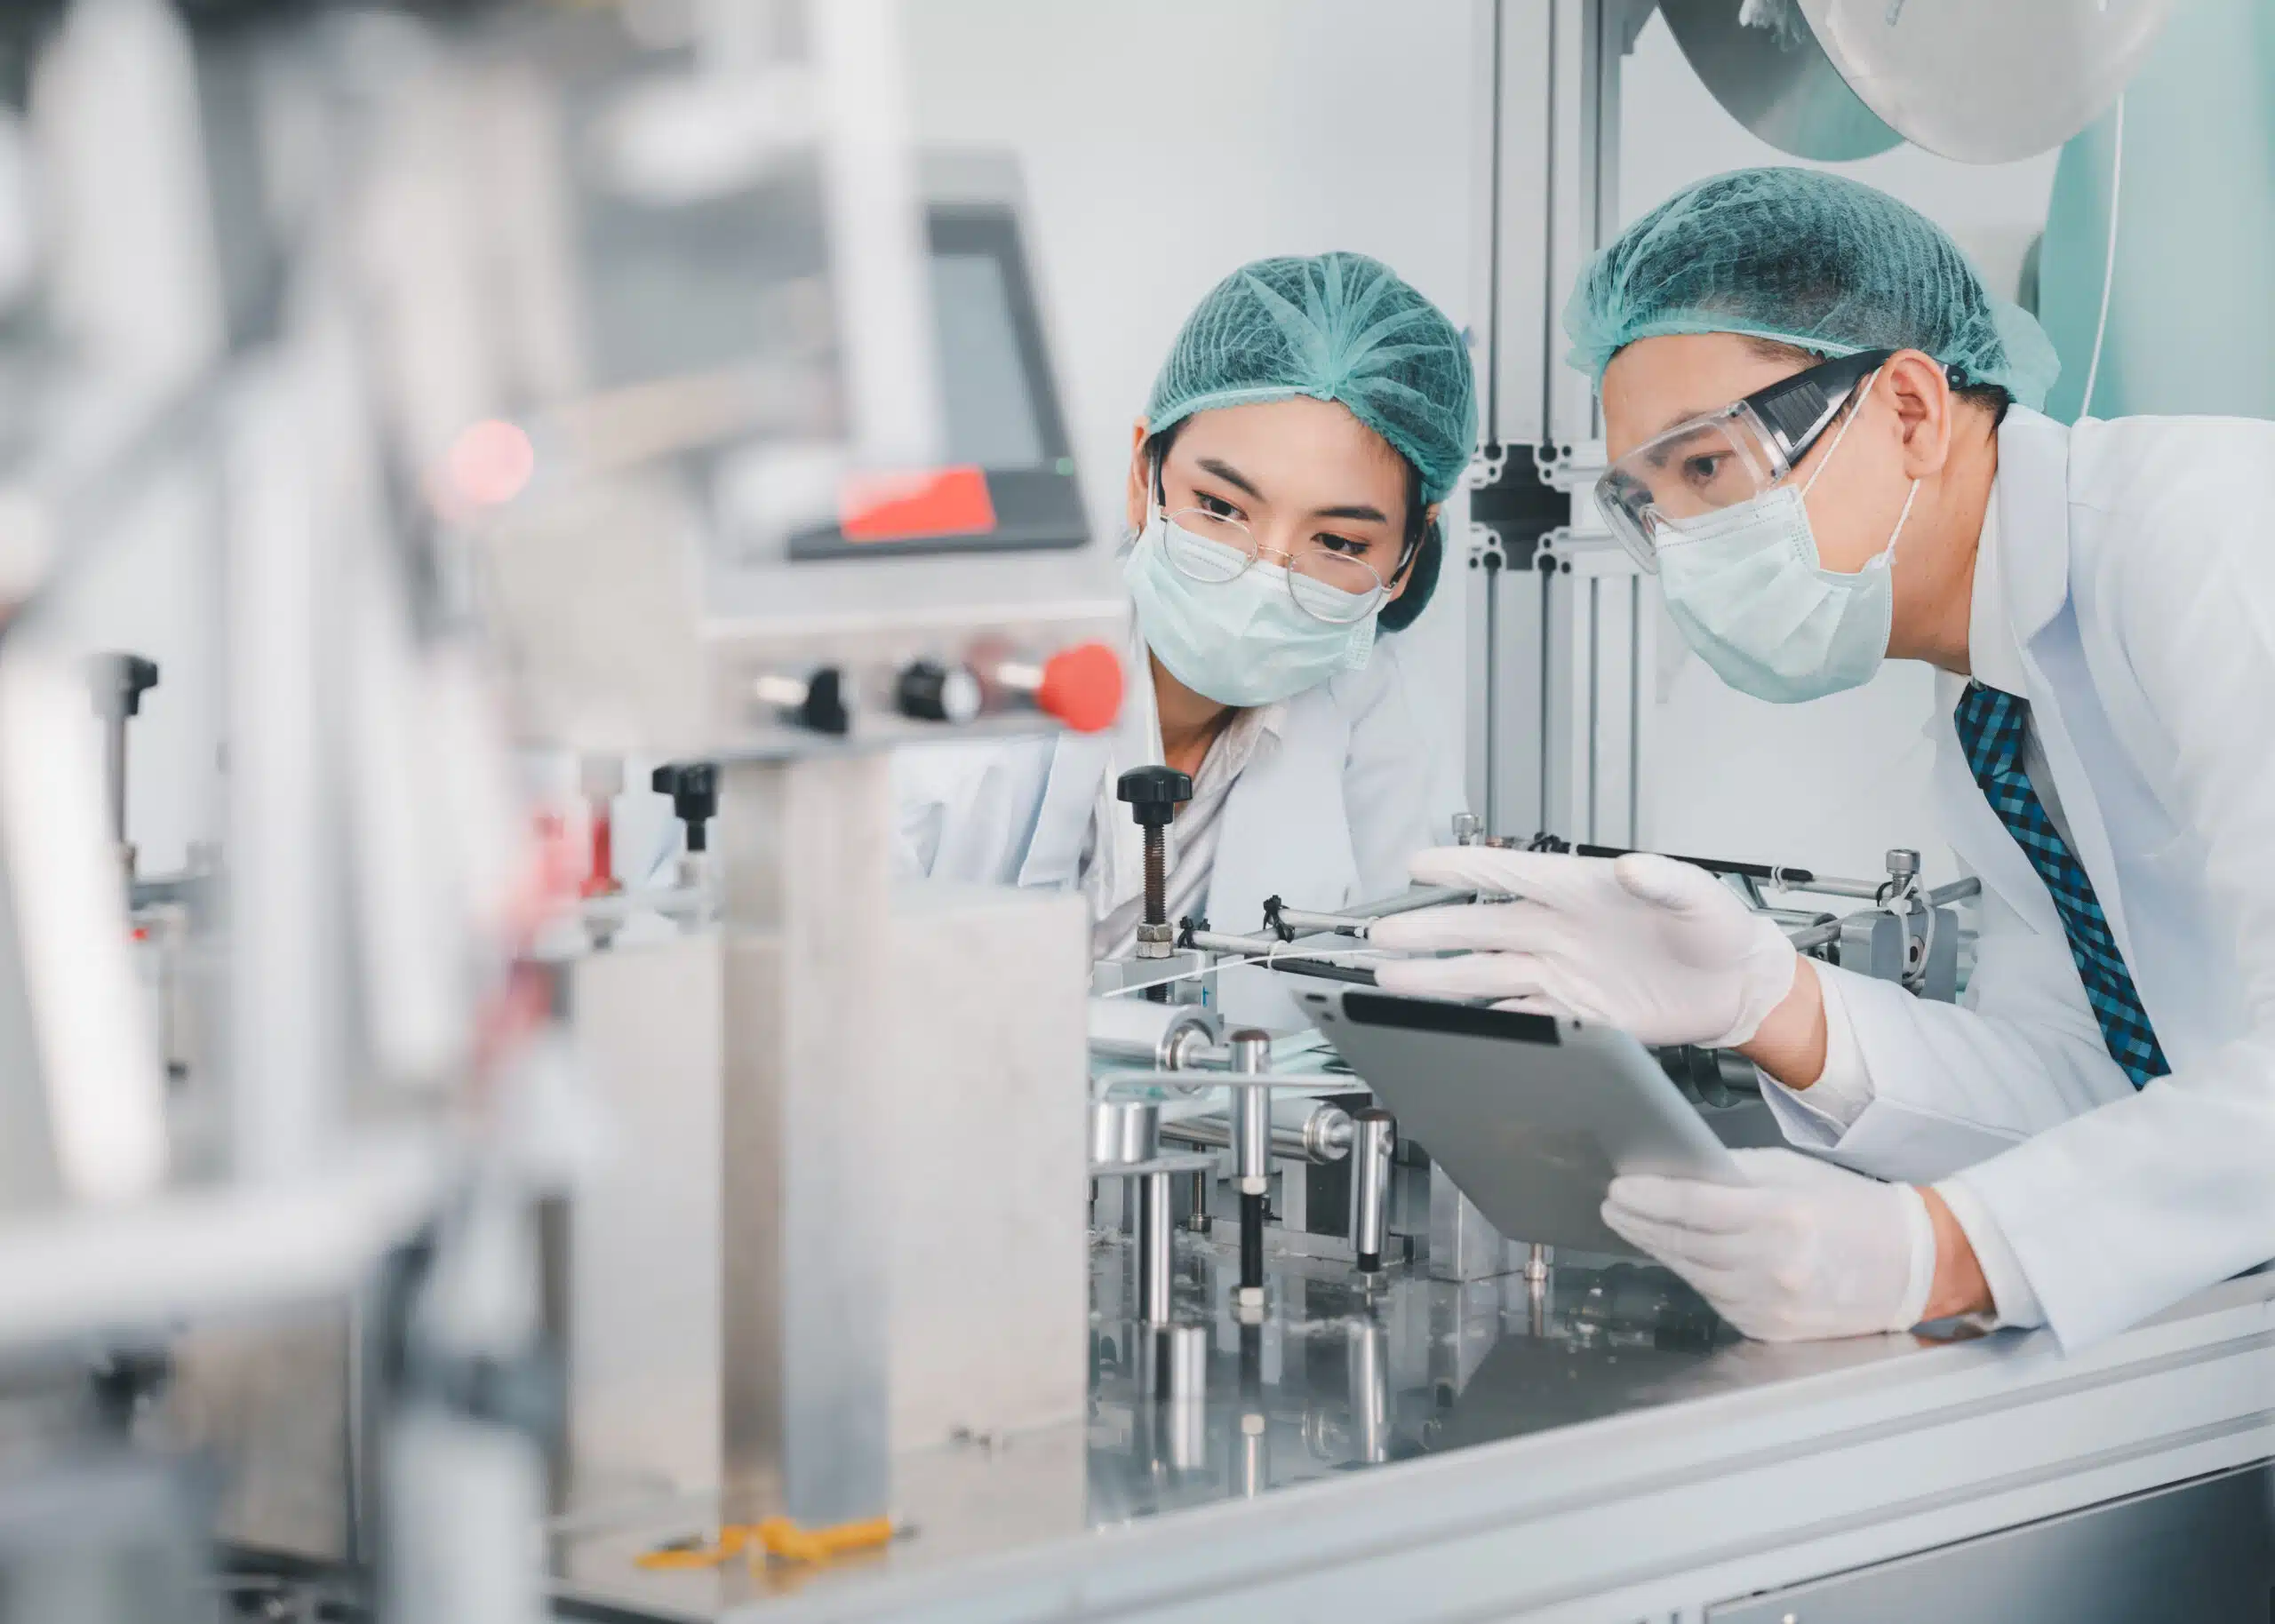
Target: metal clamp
point(1902, 900)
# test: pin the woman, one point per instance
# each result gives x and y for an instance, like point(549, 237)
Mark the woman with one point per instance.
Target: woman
point(1283, 496)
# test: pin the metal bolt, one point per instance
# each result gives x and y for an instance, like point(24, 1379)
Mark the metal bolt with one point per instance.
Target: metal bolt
point(1154, 794)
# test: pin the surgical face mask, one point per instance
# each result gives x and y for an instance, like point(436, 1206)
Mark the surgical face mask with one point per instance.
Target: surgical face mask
point(1241, 641)
point(1749, 591)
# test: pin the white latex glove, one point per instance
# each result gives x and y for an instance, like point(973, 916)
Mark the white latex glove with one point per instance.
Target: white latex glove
point(1807, 1250)
point(1655, 947)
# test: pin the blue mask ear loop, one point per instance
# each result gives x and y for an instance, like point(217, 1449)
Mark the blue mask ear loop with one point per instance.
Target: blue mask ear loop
point(1885, 558)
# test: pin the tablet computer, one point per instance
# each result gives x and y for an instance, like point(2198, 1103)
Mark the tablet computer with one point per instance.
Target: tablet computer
point(1530, 1115)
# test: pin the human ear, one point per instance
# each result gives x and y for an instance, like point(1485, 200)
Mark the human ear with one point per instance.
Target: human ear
point(1914, 384)
point(1141, 478)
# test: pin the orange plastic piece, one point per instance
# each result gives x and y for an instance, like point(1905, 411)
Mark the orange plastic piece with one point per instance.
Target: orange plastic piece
point(911, 507)
point(784, 1539)
point(1082, 687)
point(734, 1539)
point(776, 1536)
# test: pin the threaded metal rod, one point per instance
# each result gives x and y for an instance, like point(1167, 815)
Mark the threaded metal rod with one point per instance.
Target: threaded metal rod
point(1157, 891)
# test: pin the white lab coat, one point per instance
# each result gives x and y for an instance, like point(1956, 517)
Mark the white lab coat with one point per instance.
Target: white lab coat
point(1326, 815)
point(2139, 561)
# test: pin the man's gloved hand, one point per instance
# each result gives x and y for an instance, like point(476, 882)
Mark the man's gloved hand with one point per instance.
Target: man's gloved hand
point(1655, 947)
point(1807, 1250)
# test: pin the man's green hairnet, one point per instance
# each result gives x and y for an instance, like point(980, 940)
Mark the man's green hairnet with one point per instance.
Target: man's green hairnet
point(1806, 259)
point(1335, 327)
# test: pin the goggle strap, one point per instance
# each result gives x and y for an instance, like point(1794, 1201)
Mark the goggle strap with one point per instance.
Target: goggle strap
point(1826, 460)
point(1797, 409)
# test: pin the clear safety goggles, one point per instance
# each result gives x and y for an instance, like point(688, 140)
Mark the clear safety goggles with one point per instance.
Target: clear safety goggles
point(1337, 587)
point(1215, 549)
point(1726, 458)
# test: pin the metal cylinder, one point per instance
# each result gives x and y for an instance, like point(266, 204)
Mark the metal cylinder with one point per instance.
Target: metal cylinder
point(1305, 923)
point(1320, 1135)
point(1252, 1157)
point(1124, 1131)
point(1903, 863)
point(1255, 1463)
point(1375, 1138)
point(1369, 1393)
point(1165, 1037)
point(115, 775)
point(1154, 1255)
point(1183, 1426)
point(1814, 936)
point(1180, 1362)
point(1251, 1108)
point(1469, 829)
point(1959, 890)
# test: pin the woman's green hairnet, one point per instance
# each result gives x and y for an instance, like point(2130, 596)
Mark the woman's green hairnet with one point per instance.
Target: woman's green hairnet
point(1806, 258)
point(1335, 327)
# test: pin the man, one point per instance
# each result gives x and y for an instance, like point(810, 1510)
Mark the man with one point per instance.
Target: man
point(1821, 435)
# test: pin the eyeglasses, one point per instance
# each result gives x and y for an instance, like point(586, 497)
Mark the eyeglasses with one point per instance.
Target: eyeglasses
point(1726, 458)
point(1335, 587)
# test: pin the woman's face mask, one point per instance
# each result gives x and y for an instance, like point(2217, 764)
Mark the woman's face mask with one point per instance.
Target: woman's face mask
point(1748, 590)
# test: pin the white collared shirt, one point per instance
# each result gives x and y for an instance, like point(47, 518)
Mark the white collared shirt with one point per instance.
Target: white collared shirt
point(1840, 1094)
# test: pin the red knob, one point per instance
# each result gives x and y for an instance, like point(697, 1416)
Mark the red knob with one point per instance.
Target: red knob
point(1082, 687)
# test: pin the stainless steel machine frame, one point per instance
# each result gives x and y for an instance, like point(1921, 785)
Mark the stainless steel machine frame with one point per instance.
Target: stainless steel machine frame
point(1567, 1451)
point(1562, 622)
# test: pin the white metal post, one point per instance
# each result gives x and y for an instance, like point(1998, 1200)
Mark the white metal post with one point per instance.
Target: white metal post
point(807, 1310)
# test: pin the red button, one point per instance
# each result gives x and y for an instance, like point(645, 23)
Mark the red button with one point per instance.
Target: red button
point(1082, 687)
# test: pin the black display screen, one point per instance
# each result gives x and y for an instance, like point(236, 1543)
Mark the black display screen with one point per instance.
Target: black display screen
point(1000, 406)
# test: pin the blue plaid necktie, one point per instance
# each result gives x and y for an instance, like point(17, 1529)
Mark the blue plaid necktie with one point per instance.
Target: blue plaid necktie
point(1990, 725)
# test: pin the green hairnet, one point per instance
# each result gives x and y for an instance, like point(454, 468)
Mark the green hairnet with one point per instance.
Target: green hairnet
point(1806, 258)
point(1335, 327)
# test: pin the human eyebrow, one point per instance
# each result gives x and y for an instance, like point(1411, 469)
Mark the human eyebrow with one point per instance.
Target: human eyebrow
point(1664, 447)
point(1359, 510)
point(1678, 419)
point(1231, 475)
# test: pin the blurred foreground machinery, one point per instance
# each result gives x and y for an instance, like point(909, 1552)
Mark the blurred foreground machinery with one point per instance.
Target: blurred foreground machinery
point(540, 376)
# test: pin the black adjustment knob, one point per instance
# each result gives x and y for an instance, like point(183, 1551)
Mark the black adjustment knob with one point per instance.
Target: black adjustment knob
point(1154, 794)
point(117, 682)
point(927, 691)
point(694, 789)
point(825, 710)
point(816, 701)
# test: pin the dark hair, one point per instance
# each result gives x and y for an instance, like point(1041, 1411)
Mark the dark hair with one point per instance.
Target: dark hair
point(1421, 553)
point(1992, 398)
